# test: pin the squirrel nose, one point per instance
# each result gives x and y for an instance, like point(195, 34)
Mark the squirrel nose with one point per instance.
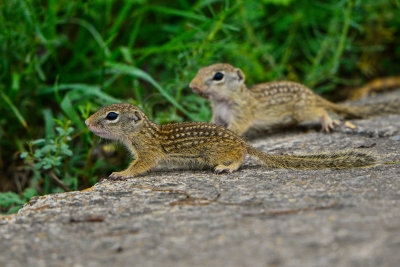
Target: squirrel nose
point(194, 88)
point(87, 122)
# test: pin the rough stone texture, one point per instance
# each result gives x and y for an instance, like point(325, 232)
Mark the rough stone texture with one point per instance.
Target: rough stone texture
point(254, 217)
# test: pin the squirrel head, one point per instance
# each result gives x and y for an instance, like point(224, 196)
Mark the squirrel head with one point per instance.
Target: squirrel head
point(218, 81)
point(116, 122)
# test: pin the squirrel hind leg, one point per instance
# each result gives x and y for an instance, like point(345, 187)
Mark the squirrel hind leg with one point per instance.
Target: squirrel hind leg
point(230, 163)
point(228, 168)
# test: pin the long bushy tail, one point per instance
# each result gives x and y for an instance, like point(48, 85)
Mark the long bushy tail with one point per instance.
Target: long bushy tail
point(365, 111)
point(342, 160)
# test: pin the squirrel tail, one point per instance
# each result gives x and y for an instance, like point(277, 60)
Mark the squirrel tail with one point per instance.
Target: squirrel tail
point(342, 160)
point(368, 110)
point(374, 85)
point(391, 106)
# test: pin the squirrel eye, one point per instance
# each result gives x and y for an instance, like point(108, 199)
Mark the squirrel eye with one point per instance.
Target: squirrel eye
point(112, 116)
point(218, 76)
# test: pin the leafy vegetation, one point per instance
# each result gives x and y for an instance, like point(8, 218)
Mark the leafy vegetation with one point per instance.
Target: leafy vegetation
point(62, 60)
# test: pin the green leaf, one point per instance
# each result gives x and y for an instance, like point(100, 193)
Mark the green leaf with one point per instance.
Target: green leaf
point(47, 148)
point(38, 165)
point(29, 193)
point(69, 110)
point(60, 131)
point(10, 198)
point(15, 209)
point(47, 166)
point(70, 130)
point(38, 141)
point(38, 154)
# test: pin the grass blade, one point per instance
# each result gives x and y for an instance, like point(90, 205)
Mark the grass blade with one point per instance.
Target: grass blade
point(85, 89)
point(69, 110)
point(93, 31)
point(186, 14)
point(14, 109)
point(48, 123)
point(136, 72)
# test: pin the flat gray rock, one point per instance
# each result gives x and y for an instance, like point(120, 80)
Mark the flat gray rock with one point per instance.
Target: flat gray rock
point(253, 217)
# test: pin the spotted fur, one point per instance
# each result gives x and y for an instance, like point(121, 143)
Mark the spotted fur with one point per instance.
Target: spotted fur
point(196, 145)
point(272, 104)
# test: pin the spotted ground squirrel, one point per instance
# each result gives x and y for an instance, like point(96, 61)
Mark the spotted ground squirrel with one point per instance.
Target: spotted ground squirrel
point(270, 105)
point(197, 145)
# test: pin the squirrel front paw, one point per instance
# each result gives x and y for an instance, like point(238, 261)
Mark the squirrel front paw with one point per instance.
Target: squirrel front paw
point(329, 125)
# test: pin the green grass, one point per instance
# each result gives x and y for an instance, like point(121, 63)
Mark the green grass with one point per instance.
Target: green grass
point(62, 60)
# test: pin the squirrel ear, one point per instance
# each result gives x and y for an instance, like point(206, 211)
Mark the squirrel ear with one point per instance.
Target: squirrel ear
point(136, 116)
point(240, 75)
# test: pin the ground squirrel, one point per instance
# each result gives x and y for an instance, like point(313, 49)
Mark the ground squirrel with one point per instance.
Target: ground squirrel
point(197, 144)
point(272, 104)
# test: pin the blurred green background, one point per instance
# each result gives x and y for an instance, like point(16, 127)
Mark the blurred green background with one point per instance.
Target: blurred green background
point(62, 60)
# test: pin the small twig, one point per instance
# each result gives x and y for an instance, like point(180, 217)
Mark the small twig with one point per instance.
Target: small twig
point(87, 219)
point(119, 233)
point(58, 181)
point(292, 211)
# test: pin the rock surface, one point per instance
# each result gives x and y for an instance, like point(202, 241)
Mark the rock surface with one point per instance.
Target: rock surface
point(253, 217)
